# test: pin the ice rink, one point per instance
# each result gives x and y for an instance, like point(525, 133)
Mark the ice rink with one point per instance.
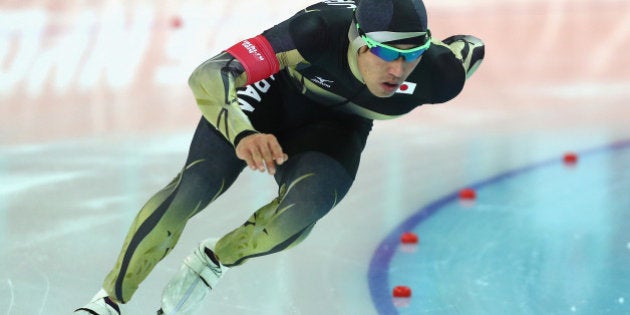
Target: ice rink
point(96, 116)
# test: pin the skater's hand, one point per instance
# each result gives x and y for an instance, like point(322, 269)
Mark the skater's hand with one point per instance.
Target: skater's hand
point(261, 151)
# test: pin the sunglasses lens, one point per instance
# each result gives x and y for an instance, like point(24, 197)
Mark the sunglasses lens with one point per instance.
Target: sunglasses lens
point(411, 56)
point(388, 54)
point(385, 53)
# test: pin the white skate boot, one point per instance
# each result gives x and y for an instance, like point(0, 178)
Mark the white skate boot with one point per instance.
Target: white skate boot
point(198, 275)
point(101, 304)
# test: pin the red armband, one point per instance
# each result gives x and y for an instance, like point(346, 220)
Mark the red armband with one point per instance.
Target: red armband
point(257, 57)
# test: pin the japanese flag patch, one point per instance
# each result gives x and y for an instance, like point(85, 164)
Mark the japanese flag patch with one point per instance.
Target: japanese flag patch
point(407, 88)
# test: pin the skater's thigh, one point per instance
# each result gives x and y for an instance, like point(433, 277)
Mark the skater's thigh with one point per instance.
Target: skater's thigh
point(211, 155)
point(342, 140)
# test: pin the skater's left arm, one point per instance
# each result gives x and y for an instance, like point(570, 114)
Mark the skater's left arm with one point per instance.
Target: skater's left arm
point(468, 49)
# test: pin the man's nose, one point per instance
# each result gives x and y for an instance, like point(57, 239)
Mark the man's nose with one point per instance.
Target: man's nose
point(395, 68)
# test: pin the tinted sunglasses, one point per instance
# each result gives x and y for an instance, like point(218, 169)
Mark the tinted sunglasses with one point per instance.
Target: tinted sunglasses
point(390, 53)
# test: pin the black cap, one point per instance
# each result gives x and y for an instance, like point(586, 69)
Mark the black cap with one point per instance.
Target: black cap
point(401, 16)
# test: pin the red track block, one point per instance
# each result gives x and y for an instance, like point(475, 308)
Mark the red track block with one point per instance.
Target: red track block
point(401, 291)
point(467, 194)
point(570, 158)
point(409, 238)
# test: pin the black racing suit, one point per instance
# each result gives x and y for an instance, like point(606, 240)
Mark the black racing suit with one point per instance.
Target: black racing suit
point(299, 81)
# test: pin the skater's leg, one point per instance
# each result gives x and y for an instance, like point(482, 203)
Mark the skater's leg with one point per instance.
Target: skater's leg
point(311, 184)
point(323, 160)
point(210, 169)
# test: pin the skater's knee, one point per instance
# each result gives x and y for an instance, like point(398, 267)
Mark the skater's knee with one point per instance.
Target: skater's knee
point(315, 180)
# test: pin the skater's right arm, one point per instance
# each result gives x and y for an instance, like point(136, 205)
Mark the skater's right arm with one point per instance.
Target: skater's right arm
point(215, 81)
point(214, 85)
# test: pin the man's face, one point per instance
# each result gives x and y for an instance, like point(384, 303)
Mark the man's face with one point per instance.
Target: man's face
point(381, 77)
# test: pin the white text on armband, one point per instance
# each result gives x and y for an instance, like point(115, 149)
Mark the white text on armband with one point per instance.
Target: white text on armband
point(257, 57)
point(252, 50)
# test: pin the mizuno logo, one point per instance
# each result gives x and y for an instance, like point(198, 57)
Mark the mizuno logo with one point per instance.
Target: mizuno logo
point(323, 82)
point(346, 3)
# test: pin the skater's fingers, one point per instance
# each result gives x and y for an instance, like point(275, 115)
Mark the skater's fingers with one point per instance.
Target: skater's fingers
point(276, 151)
point(261, 152)
point(268, 160)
